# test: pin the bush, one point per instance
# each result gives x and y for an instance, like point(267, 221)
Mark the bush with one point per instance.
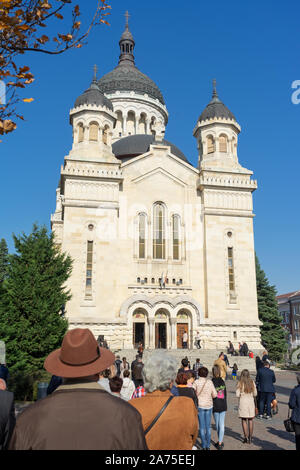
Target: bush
point(25, 384)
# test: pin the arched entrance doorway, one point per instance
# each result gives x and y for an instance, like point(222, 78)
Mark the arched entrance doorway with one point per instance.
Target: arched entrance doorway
point(161, 329)
point(139, 319)
point(183, 326)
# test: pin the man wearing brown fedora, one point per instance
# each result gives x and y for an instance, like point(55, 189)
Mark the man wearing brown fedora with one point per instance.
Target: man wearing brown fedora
point(79, 415)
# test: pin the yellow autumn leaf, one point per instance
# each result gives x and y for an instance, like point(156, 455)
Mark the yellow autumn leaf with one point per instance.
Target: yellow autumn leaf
point(28, 100)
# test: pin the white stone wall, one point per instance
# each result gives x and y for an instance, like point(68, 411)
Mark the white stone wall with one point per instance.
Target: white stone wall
point(108, 195)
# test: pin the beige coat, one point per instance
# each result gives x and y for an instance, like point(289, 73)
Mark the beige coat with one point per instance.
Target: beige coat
point(246, 403)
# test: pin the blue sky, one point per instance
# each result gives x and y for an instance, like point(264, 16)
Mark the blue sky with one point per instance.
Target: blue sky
point(252, 48)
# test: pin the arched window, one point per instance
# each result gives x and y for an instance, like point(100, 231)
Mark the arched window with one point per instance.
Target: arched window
point(131, 123)
point(80, 133)
point(94, 131)
point(142, 235)
point(105, 135)
point(119, 123)
point(142, 124)
point(223, 143)
point(159, 232)
point(210, 144)
point(175, 236)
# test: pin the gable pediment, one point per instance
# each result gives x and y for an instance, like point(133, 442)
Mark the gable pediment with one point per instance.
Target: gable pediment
point(161, 175)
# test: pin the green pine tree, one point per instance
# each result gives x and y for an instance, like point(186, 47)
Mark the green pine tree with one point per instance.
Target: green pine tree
point(272, 333)
point(3, 260)
point(30, 308)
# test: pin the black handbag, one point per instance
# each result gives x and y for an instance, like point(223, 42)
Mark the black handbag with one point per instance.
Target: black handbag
point(288, 424)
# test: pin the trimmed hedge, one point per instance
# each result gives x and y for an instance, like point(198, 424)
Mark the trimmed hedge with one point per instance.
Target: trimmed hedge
point(25, 384)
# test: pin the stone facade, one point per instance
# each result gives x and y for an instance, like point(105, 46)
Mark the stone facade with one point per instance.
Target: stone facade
point(113, 215)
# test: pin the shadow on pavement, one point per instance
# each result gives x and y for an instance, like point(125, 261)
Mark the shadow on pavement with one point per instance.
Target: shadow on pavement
point(257, 442)
point(282, 434)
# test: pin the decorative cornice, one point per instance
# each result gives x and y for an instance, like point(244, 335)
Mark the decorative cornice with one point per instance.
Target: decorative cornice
point(226, 182)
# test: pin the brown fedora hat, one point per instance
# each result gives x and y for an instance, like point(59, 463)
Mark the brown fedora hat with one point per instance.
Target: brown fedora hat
point(79, 356)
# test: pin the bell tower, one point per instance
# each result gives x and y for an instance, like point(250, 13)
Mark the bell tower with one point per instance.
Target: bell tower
point(217, 135)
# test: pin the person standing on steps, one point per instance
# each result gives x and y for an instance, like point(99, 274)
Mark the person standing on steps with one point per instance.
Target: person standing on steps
point(198, 340)
point(185, 340)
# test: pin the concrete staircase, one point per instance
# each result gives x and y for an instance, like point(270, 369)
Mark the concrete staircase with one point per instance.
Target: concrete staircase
point(207, 357)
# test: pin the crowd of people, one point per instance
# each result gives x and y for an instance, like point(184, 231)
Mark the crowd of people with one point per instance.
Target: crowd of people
point(99, 401)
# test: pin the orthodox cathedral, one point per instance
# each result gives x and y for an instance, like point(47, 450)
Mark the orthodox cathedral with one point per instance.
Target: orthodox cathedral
point(159, 247)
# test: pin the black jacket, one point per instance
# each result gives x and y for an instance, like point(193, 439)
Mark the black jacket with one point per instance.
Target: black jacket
point(265, 379)
point(7, 418)
point(137, 371)
point(220, 403)
point(188, 392)
point(294, 404)
point(244, 349)
point(118, 363)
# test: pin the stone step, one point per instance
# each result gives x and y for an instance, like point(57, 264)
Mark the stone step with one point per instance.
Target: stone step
point(207, 357)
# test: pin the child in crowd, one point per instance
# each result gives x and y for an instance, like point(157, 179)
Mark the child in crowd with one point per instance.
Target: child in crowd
point(274, 405)
point(234, 371)
point(191, 378)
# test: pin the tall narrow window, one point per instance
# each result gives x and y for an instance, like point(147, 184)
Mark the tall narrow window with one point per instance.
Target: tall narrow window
point(142, 236)
point(223, 143)
point(80, 133)
point(175, 230)
point(94, 129)
point(210, 144)
point(231, 270)
point(159, 241)
point(89, 269)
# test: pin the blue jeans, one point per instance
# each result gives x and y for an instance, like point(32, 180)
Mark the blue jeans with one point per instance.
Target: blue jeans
point(220, 424)
point(204, 417)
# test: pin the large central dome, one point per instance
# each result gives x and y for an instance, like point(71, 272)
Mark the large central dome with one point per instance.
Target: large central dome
point(126, 76)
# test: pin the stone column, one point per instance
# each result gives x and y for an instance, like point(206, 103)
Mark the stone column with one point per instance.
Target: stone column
point(173, 333)
point(149, 238)
point(147, 126)
point(125, 124)
point(151, 333)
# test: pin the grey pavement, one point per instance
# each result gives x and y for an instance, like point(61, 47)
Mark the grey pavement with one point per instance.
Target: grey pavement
point(268, 434)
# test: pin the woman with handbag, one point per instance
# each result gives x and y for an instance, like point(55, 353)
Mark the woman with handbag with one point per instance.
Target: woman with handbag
point(170, 423)
point(294, 404)
point(246, 392)
point(206, 392)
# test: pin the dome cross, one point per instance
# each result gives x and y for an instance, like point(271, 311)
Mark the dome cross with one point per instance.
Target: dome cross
point(127, 16)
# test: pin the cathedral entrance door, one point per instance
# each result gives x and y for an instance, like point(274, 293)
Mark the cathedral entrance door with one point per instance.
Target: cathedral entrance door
point(161, 336)
point(181, 328)
point(138, 334)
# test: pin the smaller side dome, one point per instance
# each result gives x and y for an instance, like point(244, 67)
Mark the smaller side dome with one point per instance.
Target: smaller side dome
point(93, 96)
point(216, 109)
